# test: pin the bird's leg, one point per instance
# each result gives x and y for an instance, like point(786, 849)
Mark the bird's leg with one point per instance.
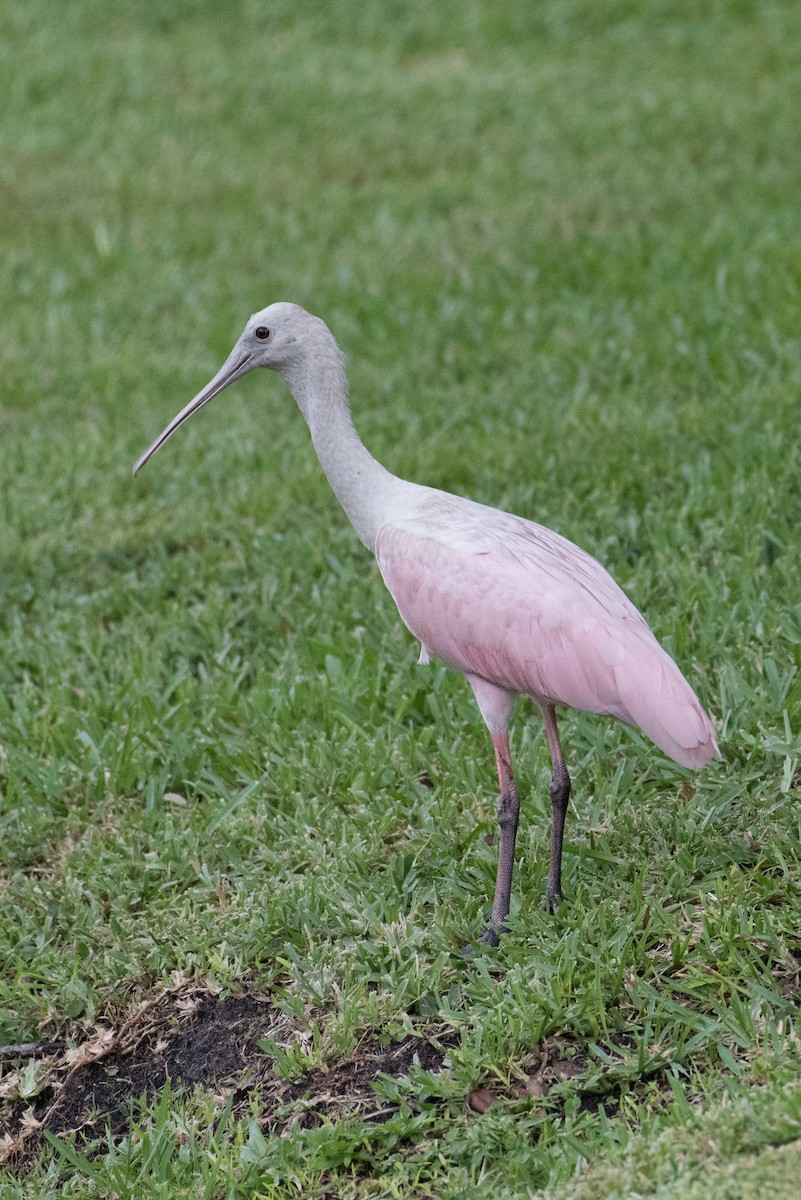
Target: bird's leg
point(559, 790)
point(508, 814)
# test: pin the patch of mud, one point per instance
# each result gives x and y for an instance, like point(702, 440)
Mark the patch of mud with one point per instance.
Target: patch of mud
point(211, 1046)
point(195, 1038)
point(347, 1087)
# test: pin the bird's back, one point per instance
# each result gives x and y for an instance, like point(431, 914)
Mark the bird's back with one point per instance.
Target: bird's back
point(512, 602)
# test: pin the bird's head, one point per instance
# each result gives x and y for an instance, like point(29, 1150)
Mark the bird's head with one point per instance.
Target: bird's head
point(279, 337)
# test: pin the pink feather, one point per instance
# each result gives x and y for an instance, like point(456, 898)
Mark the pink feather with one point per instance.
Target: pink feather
point(512, 603)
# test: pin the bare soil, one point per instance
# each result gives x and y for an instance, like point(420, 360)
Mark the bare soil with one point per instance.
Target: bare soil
point(196, 1038)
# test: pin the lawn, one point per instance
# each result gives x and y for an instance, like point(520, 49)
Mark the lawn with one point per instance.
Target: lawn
point(243, 836)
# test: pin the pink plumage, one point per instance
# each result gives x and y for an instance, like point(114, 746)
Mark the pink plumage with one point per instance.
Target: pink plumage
point(513, 603)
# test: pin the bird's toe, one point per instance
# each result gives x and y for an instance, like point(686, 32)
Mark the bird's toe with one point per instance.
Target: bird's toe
point(490, 936)
point(553, 898)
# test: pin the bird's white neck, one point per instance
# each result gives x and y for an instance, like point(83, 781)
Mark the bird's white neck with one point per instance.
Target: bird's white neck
point(362, 486)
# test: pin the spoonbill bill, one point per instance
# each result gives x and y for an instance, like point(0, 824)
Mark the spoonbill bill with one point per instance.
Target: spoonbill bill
point(514, 607)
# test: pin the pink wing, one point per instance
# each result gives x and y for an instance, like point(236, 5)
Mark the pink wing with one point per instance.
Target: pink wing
point(507, 600)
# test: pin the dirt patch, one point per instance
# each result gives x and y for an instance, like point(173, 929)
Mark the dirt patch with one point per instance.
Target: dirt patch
point(196, 1038)
point(212, 1046)
point(348, 1086)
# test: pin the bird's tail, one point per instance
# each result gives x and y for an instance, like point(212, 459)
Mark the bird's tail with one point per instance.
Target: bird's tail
point(659, 699)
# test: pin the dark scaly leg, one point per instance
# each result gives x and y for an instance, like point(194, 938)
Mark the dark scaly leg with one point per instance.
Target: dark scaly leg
point(508, 816)
point(496, 706)
point(560, 796)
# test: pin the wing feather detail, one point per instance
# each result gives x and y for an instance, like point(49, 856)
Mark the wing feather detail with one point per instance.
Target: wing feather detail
point(511, 602)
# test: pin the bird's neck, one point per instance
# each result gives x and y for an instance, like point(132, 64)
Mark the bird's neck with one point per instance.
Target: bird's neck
point(362, 486)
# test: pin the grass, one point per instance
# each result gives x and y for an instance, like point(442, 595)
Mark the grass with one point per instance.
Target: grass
point(560, 245)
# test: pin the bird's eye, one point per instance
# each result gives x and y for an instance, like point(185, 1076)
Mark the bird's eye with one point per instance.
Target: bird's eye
point(263, 333)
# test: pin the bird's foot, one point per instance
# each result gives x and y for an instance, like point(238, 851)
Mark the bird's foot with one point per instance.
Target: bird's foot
point(490, 936)
point(553, 898)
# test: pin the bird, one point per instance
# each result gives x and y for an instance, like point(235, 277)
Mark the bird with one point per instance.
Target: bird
point(514, 607)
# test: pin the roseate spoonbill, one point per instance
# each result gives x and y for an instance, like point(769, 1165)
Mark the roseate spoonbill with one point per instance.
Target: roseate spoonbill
point(512, 606)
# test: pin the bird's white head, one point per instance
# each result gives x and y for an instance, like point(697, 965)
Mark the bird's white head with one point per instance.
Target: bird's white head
point(279, 337)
